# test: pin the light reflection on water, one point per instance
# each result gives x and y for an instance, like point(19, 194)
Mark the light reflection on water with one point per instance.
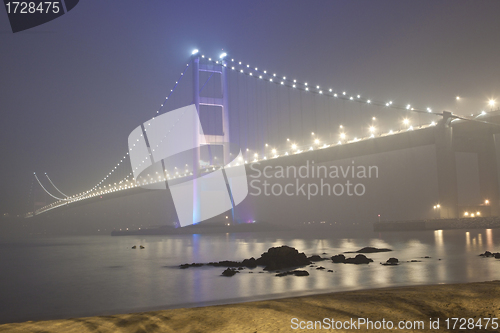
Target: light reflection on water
point(76, 276)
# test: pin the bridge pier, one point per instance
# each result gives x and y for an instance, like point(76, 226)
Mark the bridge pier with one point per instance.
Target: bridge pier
point(196, 151)
point(484, 146)
point(446, 168)
point(488, 173)
point(211, 139)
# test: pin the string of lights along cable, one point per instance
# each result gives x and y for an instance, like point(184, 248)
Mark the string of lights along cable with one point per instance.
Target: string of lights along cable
point(100, 188)
point(119, 179)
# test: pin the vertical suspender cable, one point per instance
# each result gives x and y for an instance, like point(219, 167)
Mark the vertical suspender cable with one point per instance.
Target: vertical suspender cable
point(238, 112)
point(315, 116)
point(289, 115)
point(301, 116)
point(267, 117)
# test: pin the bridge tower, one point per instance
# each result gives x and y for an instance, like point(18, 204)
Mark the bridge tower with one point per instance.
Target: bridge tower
point(488, 172)
point(484, 146)
point(446, 168)
point(212, 105)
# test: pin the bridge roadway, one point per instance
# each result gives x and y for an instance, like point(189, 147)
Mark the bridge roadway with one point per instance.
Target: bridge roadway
point(448, 135)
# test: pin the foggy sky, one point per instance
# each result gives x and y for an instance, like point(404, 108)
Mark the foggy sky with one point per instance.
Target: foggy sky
point(71, 90)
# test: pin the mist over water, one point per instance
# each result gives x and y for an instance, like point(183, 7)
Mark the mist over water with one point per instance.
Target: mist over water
point(60, 277)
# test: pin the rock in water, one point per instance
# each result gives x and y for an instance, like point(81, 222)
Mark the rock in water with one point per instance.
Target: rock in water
point(315, 257)
point(391, 261)
point(225, 263)
point(184, 266)
point(295, 272)
point(359, 259)
point(488, 254)
point(229, 272)
point(250, 263)
point(338, 259)
point(282, 257)
point(370, 249)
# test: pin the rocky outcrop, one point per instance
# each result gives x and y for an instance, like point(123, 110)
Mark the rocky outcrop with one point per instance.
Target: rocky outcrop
point(486, 254)
point(184, 266)
point(338, 259)
point(225, 263)
point(489, 254)
point(316, 258)
point(370, 249)
point(248, 263)
point(359, 259)
point(391, 262)
point(276, 258)
point(295, 272)
point(229, 272)
point(282, 257)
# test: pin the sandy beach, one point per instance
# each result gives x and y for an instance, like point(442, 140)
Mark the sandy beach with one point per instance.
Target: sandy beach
point(417, 305)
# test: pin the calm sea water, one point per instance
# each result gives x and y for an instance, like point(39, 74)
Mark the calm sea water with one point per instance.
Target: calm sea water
point(61, 277)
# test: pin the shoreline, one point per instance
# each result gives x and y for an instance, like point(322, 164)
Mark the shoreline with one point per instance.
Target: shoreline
point(412, 303)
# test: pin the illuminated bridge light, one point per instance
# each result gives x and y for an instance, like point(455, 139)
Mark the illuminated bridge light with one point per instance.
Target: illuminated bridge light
point(98, 189)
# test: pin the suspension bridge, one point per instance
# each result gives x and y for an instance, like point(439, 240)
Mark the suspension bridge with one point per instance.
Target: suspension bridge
point(277, 120)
